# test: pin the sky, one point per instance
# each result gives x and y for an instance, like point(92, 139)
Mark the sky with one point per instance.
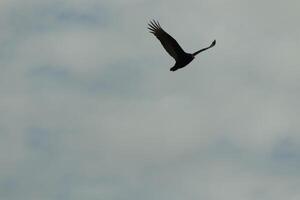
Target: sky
point(89, 109)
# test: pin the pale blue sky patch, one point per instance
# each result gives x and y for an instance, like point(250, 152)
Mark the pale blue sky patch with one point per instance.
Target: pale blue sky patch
point(42, 140)
point(8, 186)
point(51, 16)
point(50, 72)
point(286, 157)
point(50, 77)
point(124, 79)
point(98, 16)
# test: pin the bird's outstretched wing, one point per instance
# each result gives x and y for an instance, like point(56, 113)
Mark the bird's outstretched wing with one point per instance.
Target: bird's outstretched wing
point(169, 43)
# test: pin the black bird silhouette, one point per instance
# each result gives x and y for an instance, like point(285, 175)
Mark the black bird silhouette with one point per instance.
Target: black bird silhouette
point(172, 47)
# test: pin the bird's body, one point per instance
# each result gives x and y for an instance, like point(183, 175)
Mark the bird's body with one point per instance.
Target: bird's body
point(172, 47)
point(183, 60)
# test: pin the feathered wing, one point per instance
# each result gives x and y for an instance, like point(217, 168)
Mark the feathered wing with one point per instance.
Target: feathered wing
point(212, 44)
point(169, 43)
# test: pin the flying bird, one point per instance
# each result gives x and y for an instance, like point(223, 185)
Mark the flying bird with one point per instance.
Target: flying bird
point(172, 47)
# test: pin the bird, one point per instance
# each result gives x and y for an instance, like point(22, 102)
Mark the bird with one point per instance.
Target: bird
point(172, 47)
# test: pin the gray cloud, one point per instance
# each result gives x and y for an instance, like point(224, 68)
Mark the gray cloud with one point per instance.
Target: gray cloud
point(90, 110)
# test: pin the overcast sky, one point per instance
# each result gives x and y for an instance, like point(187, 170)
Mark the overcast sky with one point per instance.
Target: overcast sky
point(89, 109)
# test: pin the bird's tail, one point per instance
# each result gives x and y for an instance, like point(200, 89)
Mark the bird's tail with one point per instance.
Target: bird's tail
point(212, 44)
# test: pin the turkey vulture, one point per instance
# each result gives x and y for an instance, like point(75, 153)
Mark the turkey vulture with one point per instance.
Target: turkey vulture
point(172, 47)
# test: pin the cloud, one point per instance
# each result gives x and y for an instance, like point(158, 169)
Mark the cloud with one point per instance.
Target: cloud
point(90, 110)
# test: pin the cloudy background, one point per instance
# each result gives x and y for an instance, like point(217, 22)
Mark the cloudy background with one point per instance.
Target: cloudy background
point(89, 109)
